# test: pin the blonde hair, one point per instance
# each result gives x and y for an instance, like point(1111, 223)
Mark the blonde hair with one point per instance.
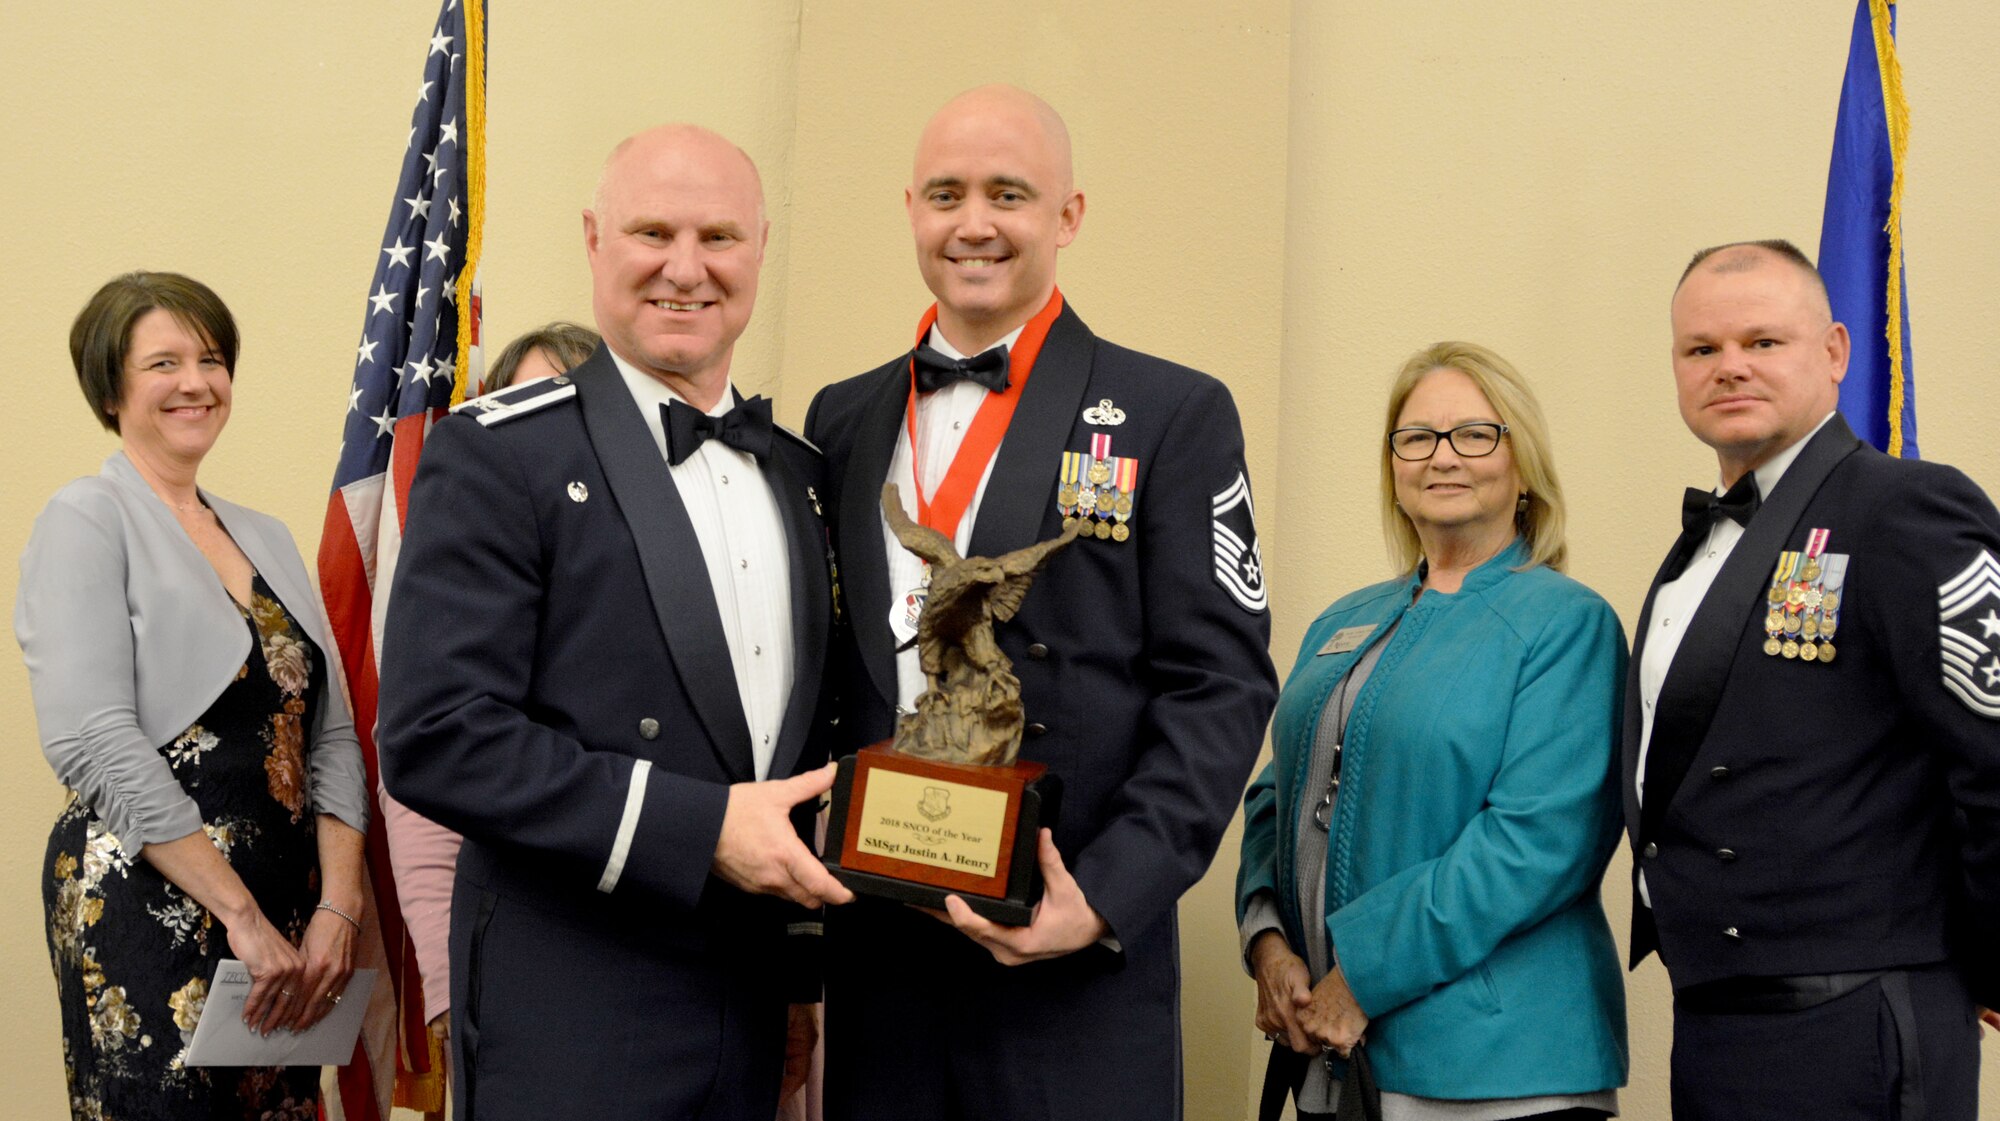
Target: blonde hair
point(1541, 525)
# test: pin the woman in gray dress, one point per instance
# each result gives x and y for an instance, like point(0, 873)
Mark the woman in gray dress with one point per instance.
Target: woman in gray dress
point(184, 691)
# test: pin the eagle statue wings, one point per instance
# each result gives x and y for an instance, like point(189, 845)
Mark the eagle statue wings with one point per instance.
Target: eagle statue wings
point(970, 711)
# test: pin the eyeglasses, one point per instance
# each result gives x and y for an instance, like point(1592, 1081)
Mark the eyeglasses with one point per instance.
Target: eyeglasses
point(1472, 441)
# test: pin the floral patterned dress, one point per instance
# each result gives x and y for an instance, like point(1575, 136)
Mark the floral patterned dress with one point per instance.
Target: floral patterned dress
point(134, 954)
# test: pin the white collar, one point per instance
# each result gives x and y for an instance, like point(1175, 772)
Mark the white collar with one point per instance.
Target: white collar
point(937, 342)
point(648, 390)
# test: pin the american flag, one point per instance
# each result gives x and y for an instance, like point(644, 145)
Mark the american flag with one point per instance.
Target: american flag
point(419, 349)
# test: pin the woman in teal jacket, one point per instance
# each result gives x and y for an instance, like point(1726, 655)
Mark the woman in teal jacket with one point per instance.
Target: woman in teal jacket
point(1421, 859)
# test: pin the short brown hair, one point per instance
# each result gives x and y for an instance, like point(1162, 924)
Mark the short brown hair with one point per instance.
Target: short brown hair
point(1783, 249)
point(567, 344)
point(101, 337)
point(1542, 522)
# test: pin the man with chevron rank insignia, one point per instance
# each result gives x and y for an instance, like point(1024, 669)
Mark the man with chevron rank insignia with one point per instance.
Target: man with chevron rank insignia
point(1812, 734)
point(1969, 634)
point(1144, 674)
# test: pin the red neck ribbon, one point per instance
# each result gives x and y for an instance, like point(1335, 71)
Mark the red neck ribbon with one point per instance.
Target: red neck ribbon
point(945, 509)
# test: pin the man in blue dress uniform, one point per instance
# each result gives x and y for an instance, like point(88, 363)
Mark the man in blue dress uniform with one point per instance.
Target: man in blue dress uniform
point(1141, 649)
point(1812, 734)
point(603, 660)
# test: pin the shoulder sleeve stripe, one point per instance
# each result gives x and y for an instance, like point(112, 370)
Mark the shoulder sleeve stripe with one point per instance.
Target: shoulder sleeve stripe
point(628, 824)
point(501, 413)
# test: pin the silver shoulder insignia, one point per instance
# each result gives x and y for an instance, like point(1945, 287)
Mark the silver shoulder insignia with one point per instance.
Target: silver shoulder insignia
point(513, 394)
point(517, 400)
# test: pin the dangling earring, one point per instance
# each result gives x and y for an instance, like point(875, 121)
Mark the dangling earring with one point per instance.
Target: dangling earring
point(1521, 506)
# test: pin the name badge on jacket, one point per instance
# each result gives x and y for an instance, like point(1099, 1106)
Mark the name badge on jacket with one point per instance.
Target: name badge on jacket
point(1345, 639)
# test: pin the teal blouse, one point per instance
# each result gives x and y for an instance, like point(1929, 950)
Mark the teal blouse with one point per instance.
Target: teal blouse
point(1478, 810)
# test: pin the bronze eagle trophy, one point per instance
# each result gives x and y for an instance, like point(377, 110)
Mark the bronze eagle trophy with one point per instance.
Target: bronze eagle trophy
point(971, 710)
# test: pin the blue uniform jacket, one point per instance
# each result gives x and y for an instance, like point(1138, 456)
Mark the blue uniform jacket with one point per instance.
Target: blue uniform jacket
point(556, 687)
point(1476, 815)
point(1840, 815)
point(1146, 678)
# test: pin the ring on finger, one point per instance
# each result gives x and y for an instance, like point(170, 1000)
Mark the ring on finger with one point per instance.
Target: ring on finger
point(333, 998)
point(284, 992)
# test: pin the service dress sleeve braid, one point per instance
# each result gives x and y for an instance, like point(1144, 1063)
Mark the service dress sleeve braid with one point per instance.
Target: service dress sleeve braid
point(1544, 836)
point(1942, 529)
point(458, 745)
point(74, 625)
point(1209, 668)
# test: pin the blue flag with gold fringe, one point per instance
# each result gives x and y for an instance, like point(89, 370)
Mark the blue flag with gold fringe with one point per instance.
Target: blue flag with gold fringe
point(1861, 237)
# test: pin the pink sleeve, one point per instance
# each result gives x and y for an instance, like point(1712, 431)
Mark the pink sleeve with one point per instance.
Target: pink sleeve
point(424, 857)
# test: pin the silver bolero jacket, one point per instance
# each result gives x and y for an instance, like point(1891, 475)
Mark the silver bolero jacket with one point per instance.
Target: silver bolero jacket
point(129, 636)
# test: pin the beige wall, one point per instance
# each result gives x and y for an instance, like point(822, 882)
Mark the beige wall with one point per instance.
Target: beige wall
point(1290, 195)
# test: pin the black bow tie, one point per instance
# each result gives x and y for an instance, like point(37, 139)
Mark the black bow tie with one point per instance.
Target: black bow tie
point(1701, 509)
point(747, 427)
point(935, 371)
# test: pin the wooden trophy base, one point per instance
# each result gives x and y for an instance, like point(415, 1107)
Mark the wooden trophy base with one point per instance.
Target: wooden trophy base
point(916, 830)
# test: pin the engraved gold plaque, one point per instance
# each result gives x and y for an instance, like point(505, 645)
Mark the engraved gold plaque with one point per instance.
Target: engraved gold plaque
point(916, 830)
point(925, 819)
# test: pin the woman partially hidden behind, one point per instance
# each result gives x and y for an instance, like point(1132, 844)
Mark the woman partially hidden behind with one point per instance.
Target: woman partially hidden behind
point(181, 673)
point(1421, 859)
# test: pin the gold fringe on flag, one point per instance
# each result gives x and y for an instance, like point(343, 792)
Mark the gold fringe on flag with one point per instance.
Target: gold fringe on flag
point(424, 1092)
point(475, 182)
point(1897, 110)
